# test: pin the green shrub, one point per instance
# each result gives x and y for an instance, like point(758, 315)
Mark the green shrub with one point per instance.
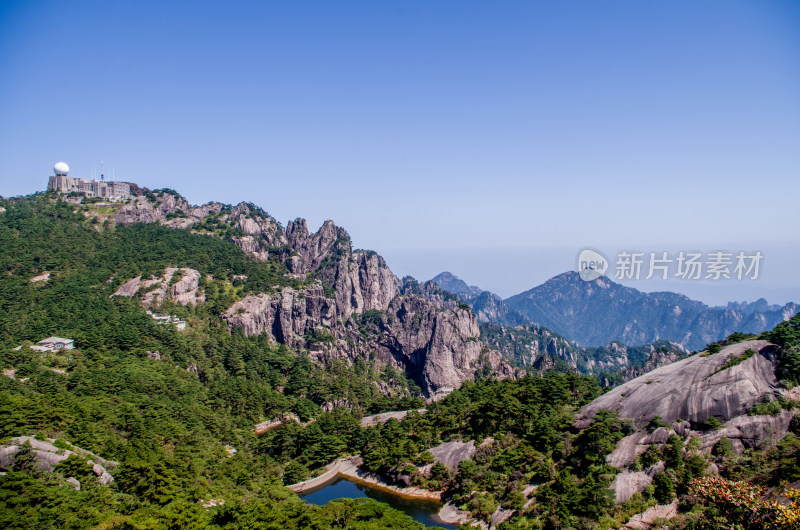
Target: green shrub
point(787, 336)
point(62, 444)
point(723, 447)
point(733, 360)
point(711, 424)
point(737, 336)
point(295, 472)
point(664, 490)
point(773, 408)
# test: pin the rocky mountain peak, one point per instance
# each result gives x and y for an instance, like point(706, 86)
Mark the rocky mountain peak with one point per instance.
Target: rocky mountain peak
point(353, 306)
point(601, 311)
point(488, 306)
point(452, 283)
point(297, 230)
point(314, 249)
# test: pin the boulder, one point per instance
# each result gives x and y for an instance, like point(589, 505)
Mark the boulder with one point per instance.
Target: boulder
point(48, 456)
point(183, 291)
point(451, 454)
point(694, 389)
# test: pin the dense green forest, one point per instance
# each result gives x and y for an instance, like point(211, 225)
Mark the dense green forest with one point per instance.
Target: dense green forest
point(167, 420)
point(107, 396)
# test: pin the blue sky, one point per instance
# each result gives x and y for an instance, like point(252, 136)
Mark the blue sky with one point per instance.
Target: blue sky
point(492, 139)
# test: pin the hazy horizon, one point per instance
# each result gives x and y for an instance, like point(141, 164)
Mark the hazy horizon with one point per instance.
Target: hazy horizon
point(493, 141)
point(532, 268)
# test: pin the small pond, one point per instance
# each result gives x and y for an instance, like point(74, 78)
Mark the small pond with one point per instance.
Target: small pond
point(420, 510)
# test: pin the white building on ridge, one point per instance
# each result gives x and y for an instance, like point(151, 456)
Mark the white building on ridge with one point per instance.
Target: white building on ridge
point(63, 183)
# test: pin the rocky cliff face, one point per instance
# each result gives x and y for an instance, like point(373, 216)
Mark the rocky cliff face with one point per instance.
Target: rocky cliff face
point(630, 361)
point(314, 249)
point(686, 394)
point(432, 292)
point(439, 349)
point(180, 285)
point(696, 388)
point(285, 317)
point(657, 356)
point(537, 347)
point(490, 308)
point(354, 306)
point(261, 235)
point(531, 345)
point(157, 208)
point(257, 232)
point(362, 282)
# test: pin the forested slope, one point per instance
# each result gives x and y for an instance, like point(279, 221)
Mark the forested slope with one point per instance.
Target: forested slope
point(175, 410)
point(165, 421)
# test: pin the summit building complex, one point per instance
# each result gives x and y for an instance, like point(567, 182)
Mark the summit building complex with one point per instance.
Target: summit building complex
point(63, 183)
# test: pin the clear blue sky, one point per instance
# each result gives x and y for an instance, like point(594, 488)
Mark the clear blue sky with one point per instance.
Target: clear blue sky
point(493, 139)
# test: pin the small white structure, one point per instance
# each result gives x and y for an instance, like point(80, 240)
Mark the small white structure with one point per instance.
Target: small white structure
point(54, 344)
point(179, 324)
point(61, 169)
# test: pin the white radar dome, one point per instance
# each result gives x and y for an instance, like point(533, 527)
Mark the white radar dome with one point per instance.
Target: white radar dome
point(61, 169)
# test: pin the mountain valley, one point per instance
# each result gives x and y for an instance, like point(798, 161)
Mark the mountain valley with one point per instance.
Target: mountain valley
point(219, 357)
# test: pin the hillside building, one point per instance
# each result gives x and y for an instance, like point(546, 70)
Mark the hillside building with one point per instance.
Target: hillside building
point(54, 344)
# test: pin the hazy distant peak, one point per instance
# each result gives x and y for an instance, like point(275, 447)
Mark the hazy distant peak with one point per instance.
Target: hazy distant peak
point(452, 283)
point(601, 310)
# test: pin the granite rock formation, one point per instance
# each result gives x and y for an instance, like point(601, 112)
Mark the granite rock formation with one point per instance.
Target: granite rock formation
point(439, 349)
point(682, 397)
point(48, 456)
point(488, 307)
point(696, 389)
point(352, 305)
point(452, 283)
point(181, 285)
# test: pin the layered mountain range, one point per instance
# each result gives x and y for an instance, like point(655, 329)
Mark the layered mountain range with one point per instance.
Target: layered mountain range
point(534, 346)
point(600, 311)
point(238, 308)
point(349, 305)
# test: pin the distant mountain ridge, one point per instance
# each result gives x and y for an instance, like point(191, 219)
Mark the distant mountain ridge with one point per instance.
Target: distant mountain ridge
point(452, 283)
point(601, 311)
point(531, 345)
point(486, 305)
point(750, 307)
